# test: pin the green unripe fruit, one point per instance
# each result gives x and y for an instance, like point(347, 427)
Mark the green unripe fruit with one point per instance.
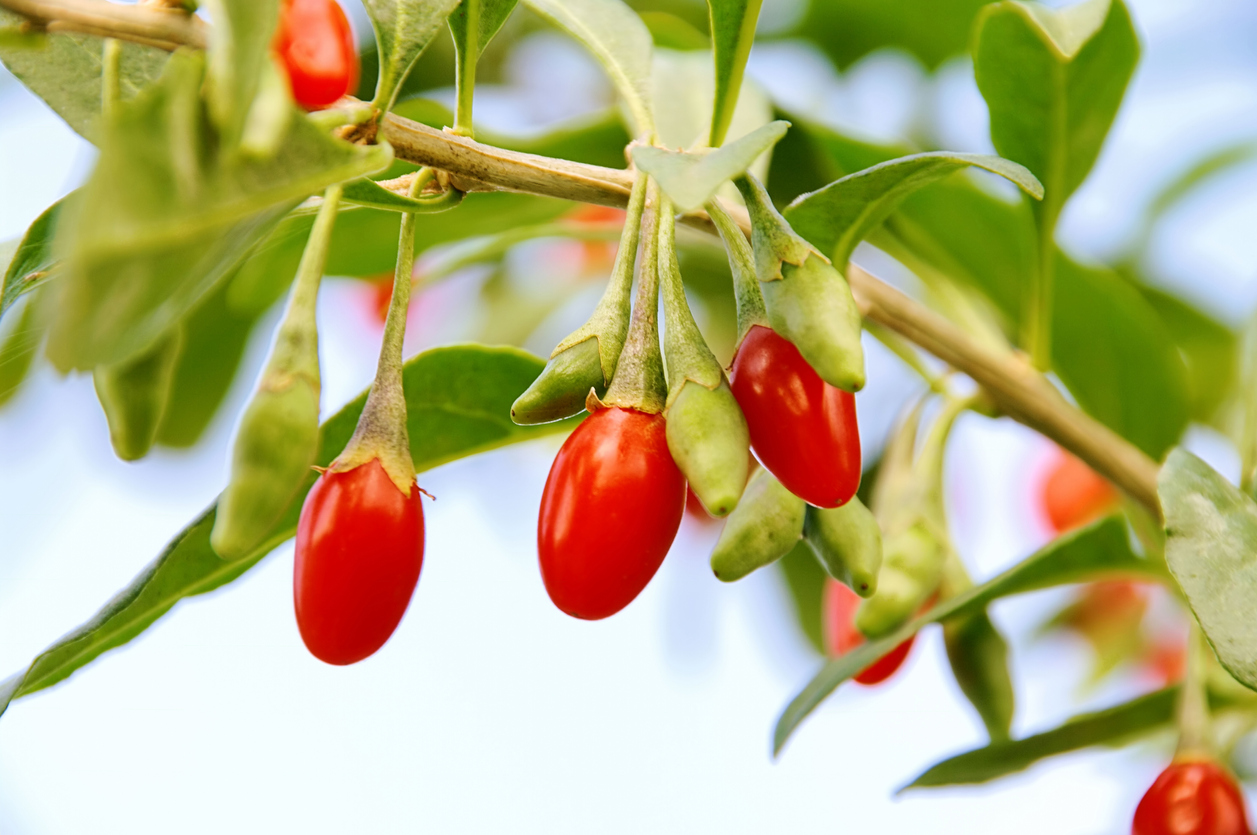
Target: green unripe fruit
point(134, 393)
point(563, 385)
point(979, 661)
point(275, 448)
point(762, 529)
point(848, 542)
point(910, 573)
point(812, 307)
point(709, 441)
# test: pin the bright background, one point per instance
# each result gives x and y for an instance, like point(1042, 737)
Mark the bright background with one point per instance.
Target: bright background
point(490, 711)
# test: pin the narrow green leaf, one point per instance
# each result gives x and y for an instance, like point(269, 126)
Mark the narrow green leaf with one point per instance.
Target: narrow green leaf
point(1053, 80)
point(458, 404)
point(1211, 549)
point(840, 215)
point(690, 179)
point(732, 34)
point(367, 192)
point(493, 14)
point(1201, 171)
point(163, 218)
point(847, 30)
point(33, 262)
point(618, 39)
point(805, 580)
point(403, 31)
point(1101, 549)
point(17, 351)
point(66, 72)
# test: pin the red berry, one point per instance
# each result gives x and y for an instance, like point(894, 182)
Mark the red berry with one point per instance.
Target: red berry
point(610, 510)
point(1074, 494)
point(1192, 797)
point(358, 556)
point(316, 46)
point(802, 429)
point(841, 636)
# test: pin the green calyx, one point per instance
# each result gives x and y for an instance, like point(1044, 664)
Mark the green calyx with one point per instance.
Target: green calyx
point(763, 528)
point(587, 358)
point(134, 393)
point(774, 241)
point(709, 441)
point(278, 437)
point(686, 354)
point(848, 543)
point(746, 292)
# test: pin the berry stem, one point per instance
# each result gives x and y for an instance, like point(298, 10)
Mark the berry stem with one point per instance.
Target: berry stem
point(465, 70)
point(687, 356)
point(1193, 701)
point(746, 292)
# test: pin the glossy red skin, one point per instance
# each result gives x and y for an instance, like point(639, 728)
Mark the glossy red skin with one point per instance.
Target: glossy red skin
point(838, 610)
point(358, 555)
point(316, 46)
point(610, 510)
point(803, 430)
point(1192, 797)
point(1074, 494)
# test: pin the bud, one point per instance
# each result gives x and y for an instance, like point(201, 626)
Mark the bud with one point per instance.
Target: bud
point(910, 573)
point(134, 393)
point(848, 542)
point(563, 385)
point(708, 439)
point(763, 528)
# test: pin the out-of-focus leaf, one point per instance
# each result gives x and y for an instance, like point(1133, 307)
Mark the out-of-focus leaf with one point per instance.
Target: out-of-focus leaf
point(1101, 549)
point(493, 13)
point(1211, 549)
point(840, 215)
point(932, 30)
point(458, 404)
point(17, 350)
point(673, 32)
point(1204, 169)
point(1053, 80)
point(805, 580)
point(732, 34)
point(683, 85)
point(163, 218)
point(616, 36)
point(367, 192)
point(978, 655)
point(66, 72)
point(690, 179)
point(239, 48)
point(403, 31)
point(33, 261)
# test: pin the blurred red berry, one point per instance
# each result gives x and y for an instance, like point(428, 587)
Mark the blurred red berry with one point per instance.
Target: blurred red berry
point(1073, 494)
point(839, 604)
point(1192, 797)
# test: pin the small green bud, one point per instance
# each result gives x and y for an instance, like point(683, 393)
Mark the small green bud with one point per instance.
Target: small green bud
point(709, 441)
point(848, 543)
point(134, 393)
point(979, 661)
point(812, 307)
point(910, 573)
point(765, 525)
point(562, 386)
point(275, 447)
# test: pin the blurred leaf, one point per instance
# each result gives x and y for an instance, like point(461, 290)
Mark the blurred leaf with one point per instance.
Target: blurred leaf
point(33, 260)
point(367, 192)
point(239, 49)
point(1053, 80)
point(931, 30)
point(840, 215)
point(458, 402)
point(1101, 549)
point(732, 34)
point(66, 72)
point(978, 655)
point(164, 217)
point(683, 84)
point(690, 179)
point(1204, 169)
point(403, 31)
point(1211, 537)
point(17, 351)
point(672, 32)
point(1109, 617)
point(805, 580)
point(493, 13)
point(616, 36)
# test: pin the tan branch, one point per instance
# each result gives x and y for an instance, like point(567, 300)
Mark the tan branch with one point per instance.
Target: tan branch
point(153, 25)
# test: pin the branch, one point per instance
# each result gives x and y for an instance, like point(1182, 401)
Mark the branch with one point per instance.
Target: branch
point(147, 24)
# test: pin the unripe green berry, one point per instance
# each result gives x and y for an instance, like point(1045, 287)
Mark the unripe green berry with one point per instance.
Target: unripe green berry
point(910, 573)
point(848, 543)
point(709, 441)
point(762, 529)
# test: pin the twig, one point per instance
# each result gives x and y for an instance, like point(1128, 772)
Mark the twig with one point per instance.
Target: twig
point(155, 26)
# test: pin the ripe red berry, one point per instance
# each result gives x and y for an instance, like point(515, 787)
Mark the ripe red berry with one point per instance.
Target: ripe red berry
point(610, 510)
point(1074, 494)
point(838, 623)
point(1192, 797)
point(358, 555)
point(803, 430)
point(316, 46)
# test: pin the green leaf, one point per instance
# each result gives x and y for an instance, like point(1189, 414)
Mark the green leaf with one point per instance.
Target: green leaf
point(1211, 549)
point(458, 401)
point(403, 31)
point(931, 30)
point(1053, 80)
point(732, 34)
point(163, 217)
point(493, 13)
point(682, 85)
point(1101, 549)
point(239, 49)
point(1110, 726)
point(840, 215)
point(66, 73)
point(367, 192)
point(690, 179)
point(1204, 169)
point(17, 351)
point(805, 580)
point(618, 39)
point(33, 261)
